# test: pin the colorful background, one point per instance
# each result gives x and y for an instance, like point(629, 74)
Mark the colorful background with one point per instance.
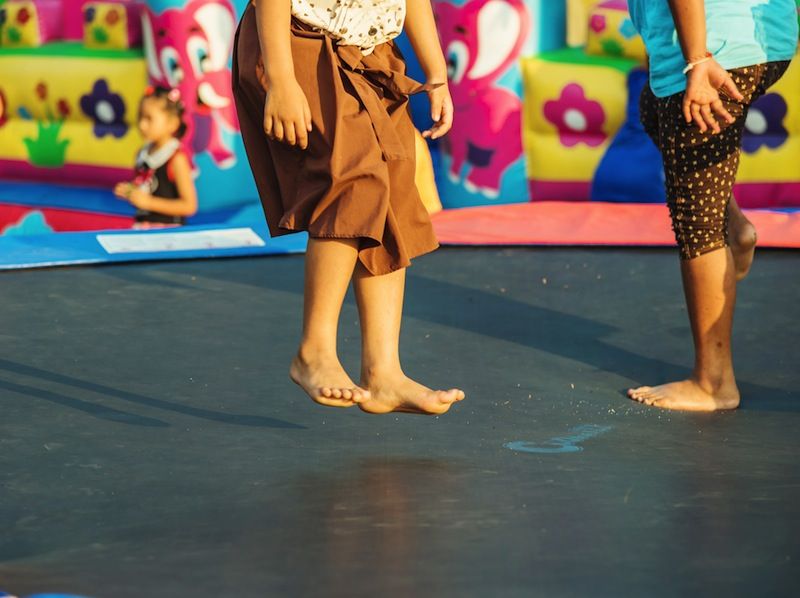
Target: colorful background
point(546, 139)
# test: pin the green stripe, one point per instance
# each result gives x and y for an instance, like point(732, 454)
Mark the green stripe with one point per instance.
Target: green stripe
point(579, 56)
point(72, 49)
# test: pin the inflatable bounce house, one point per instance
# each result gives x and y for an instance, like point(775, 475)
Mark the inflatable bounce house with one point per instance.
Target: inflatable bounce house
point(545, 134)
point(554, 85)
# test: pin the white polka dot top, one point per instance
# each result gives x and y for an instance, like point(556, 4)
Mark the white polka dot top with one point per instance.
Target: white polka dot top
point(362, 23)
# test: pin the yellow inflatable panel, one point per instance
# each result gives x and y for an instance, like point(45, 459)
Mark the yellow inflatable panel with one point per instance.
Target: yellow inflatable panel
point(81, 108)
point(570, 115)
point(611, 32)
point(423, 176)
point(578, 21)
point(771, 148)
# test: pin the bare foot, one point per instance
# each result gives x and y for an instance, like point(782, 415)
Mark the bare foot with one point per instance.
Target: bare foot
point(686, 395)
point(742, 237)
point(326, 382)
point(399, 393)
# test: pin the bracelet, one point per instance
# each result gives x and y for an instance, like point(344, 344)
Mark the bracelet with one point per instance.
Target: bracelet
point(693, 64)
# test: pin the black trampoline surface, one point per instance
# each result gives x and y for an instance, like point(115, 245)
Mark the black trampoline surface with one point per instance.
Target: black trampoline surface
point(152, 444)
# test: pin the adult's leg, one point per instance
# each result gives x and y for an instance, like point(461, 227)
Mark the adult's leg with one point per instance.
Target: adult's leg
point(316, 367)
point(380, 307)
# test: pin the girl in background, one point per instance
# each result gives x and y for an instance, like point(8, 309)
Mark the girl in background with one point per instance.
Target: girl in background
point(162, 189)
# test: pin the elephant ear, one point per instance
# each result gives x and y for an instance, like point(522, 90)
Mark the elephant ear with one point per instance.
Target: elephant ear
point(150, 50)
point(499, 31)
point(217, 21)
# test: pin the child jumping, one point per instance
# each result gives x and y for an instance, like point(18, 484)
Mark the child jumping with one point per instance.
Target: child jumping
point(709, 61)
point(162, 189)
point(322, 98)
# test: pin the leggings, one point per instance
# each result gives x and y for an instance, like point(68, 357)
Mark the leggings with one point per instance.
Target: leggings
point(700, 168)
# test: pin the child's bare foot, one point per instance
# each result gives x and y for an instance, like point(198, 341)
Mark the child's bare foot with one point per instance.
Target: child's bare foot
point(396, 392)
point(687, 395)
point(326, 382)
point(742, 238)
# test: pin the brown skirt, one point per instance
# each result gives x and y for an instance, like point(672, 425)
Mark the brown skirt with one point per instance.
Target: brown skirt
point(356, 178)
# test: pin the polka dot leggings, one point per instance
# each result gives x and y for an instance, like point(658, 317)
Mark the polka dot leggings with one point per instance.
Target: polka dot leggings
point(700, 168)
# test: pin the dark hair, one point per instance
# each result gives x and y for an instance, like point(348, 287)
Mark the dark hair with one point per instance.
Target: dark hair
point(172, 102)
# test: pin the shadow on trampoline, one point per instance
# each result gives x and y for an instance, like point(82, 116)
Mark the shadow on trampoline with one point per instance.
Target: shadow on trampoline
point(118, 416)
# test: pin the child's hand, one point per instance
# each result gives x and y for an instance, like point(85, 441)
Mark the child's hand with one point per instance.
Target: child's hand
point(287, 116)
point(123, 190)
point(139, 198)
point(702, 103)
point(441, 112)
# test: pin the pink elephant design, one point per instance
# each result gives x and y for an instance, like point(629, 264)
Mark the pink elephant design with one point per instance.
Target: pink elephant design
point(189, 48)
point(481, 40)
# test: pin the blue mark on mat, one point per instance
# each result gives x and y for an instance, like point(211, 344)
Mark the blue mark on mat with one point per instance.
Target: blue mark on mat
point(7, 595)
point(560, 444)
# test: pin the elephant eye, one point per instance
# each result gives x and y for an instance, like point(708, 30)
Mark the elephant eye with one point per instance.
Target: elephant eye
point(170, 63)
point(457, 59)
point(199, 54)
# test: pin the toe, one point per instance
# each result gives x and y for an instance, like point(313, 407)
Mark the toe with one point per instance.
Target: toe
point(347, 394)
point(336, 393)
point(326, 392)
point(448, 396)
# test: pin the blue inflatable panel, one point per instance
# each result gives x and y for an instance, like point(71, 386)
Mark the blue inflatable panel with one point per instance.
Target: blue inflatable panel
point(631, 170)
point(187, 242)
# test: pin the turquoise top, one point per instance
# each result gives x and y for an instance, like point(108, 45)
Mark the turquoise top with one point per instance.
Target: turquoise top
point(740, 33)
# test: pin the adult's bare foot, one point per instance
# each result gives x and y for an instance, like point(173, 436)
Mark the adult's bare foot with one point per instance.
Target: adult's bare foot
point(742, 237)
point(687, 395)
point(395, 392)
point(326, 382)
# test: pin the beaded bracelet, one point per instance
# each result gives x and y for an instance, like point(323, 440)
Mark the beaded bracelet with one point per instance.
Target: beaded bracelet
point(708, 56)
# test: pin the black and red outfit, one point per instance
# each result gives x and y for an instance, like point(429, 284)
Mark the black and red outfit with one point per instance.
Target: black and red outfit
point(154, 174)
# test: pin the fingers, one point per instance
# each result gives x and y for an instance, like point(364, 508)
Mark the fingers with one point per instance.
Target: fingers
point(268, 122)
point(687, 109)
point(697, 117)
point(292, 132)
point(436, 107)
point(444, 122)
point(729, 87)
point(708, 118)
point(307, 115)
point(277, 130)
point(289, 135)
point(721, 111)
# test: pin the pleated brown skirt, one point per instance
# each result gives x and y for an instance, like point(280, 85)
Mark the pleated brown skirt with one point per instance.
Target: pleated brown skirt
point(356, 177)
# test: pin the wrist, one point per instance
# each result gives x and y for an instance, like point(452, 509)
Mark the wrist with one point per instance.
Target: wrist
point(279, 74)
point(701, 63)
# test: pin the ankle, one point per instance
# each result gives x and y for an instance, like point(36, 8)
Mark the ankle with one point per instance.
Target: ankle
point(715, 382)
point(309, 353)
point(381, 371)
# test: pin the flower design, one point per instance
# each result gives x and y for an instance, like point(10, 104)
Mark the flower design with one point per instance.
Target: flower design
point(598, 23)
point(764, 124)
point(41, 91)
point(627, 29)
point(112, 17)
point(577, 118)
point(612, 47)
point(23, 16)
point(63, 108)
point(106, 109)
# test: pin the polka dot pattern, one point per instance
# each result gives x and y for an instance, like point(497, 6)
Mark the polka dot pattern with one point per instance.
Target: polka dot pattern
point(700, 168)
point(362, 23)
